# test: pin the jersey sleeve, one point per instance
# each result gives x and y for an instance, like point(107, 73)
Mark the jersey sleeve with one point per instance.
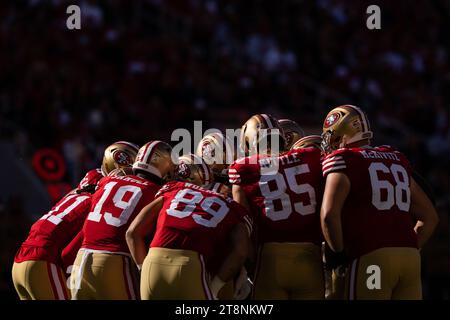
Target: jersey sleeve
point(337, 161)
point(241, 173)
point(92, 177)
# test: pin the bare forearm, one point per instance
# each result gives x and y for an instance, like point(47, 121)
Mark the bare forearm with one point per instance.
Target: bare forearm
point(236, 258)
point(337, 187)
point(141, 227)
point(138, 248)
point(332, 231)
point(231, 266)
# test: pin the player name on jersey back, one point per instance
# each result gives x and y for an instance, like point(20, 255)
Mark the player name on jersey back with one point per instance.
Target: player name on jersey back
point(372, 154)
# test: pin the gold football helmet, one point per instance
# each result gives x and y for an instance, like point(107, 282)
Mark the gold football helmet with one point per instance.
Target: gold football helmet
point(192, 168)
point(155, 157)
point(313, 141)
point(344, 125)
point(119, 154)
point(292, 132)
point(256, 135)
point(217, 152)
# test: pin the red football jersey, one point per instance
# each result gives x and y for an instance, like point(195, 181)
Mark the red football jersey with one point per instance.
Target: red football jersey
point(197, 219)
point(92, 177)
point(53, 231)
point(284, 194)
point(114, 205)
point(376, 212)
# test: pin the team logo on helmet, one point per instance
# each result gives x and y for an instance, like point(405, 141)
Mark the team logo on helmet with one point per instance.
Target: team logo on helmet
point(183, 170)
point(208, 150)
point(122, 158)
point(332, 119)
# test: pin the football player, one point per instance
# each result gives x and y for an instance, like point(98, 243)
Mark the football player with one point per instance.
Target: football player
point(334, 288)
point(292, 132)
point(282, 193)
point(368, 207)
point(190, 225)
point(118, 156)
point(217, 151)
point(55, 238)
point(37, 270)
point(103, 268)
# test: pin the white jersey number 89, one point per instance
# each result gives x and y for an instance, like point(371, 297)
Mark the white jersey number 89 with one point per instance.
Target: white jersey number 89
point(191, 198)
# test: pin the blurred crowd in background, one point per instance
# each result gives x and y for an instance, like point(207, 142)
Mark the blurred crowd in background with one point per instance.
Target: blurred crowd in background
point(137, 70)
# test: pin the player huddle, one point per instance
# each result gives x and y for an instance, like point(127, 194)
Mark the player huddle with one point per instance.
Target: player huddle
point(314, 217)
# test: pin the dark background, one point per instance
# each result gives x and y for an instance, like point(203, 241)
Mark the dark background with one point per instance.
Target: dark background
point(137, 70)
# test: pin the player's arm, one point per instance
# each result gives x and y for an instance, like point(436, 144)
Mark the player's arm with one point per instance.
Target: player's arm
point(423, 210)
point(337, 187)
point(239, 196)
point(235, 259)
point(143, 225)
point(70, 252)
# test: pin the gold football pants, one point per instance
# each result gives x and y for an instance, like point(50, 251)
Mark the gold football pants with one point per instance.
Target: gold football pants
point(385, 274)
point(174, 275)
point(103, 276)
point(289, 271)
point(39, 280)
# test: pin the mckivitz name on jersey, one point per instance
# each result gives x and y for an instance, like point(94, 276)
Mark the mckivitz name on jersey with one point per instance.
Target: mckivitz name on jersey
point(379, 155)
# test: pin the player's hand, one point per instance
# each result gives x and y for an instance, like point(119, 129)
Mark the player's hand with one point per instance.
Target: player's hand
point(243, 292)
point(243, 285)
point(89, 188)
point(216, 285)
point(334, 259)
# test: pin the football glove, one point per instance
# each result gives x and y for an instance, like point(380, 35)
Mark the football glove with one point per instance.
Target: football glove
point(334, 259)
